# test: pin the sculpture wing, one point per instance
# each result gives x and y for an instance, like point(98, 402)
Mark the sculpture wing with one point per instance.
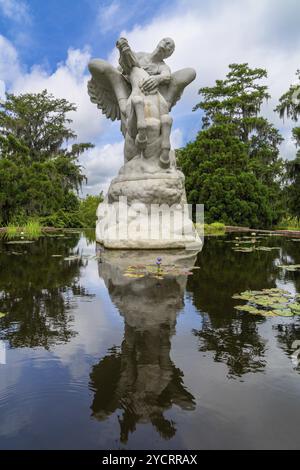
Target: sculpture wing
point(107, 88)
point(102, 94)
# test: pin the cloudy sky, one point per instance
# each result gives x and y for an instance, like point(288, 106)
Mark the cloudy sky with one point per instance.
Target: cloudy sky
point(47, 44)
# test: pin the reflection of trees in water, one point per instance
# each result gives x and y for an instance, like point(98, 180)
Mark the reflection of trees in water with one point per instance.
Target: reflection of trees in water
point(90, 236)
point(287, 334)
point(232, 336)
point(237, 344)
point(140, 378)
point(291, 255)
point(37, 292)
point(224, 273)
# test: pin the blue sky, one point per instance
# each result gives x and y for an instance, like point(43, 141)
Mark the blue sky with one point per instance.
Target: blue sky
point(47, 44)
point(48, 28)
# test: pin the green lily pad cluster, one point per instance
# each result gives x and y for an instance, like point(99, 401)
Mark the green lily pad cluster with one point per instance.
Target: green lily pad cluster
point(156, 272)
point(255, 248)
point(72, 258)
point(269, 303)
point(249, 244)
point(20, 242)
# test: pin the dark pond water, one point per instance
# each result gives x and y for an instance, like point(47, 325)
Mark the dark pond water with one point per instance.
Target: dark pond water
point(97, 360)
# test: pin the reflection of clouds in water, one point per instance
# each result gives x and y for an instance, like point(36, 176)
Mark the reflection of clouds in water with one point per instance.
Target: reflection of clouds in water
point(144, 383)
point(11, 421)
point(98, 328)
point(95, 319)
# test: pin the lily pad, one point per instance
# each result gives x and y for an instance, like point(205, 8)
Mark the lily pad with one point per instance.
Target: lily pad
point(135, 276)
point(156, 271)
point(284, 312)
point(19, 242)
point(2, 315)
point(269, 302)
point(267, 248)
point(249, 308)
point(243, 250)
point(72, 258)
point(295, 307)
point(290, 267)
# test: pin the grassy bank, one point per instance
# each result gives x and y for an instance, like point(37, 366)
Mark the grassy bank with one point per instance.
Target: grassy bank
point(216, 228)
point(289, 223)
point(32, 229)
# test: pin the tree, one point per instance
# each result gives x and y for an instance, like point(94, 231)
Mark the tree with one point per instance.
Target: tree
point(289, 105)
point(88, 208)
point(234, 167)
point(39, 173)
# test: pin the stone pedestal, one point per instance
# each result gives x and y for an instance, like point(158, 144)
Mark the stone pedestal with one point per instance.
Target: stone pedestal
point(146, 211)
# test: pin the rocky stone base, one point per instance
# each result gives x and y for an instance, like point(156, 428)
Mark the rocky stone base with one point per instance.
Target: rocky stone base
point(146, 212)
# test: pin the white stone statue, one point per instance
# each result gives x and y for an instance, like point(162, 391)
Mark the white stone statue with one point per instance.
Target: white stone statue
point(141, 93)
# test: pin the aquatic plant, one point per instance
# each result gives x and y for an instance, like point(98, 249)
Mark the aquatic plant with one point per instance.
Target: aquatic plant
point(290, 267)
point(269, 302)
point(12, 231)
point(19, 242)
point(289, 223)
point(155, 271)
point(216, 228)
point(32, 229)
point(252, 245)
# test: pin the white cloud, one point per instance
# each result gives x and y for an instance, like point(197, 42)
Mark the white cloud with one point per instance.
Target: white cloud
point(176, 139)
point(15, 10)
point(101, 164)
point(68, 81)
point(113, 16)
point(108, 16)
point(9, 62)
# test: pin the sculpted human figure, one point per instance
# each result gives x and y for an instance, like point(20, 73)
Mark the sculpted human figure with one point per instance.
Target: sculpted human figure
point(140, 93)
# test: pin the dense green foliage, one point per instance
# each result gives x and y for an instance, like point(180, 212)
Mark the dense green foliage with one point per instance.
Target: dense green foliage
point(84, 216)
point(289, 105)
point(87, 210)
point(39, 174)
point(234, 167)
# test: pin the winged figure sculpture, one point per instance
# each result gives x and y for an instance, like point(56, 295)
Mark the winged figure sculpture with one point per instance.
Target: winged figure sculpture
point(140, 93)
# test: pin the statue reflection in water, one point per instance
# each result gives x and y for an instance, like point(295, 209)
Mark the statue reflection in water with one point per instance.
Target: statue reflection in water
point(140, 378)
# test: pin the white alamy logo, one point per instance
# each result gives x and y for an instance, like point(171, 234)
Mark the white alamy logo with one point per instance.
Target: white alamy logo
point(2, 352)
